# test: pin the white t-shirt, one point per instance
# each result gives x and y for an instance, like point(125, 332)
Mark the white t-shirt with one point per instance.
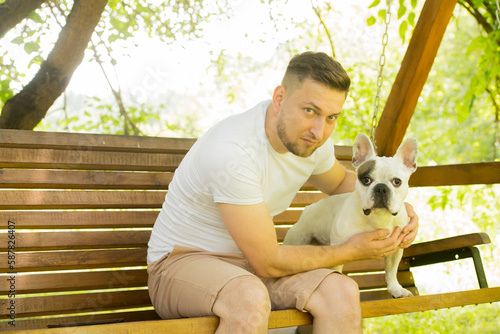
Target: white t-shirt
point(232, 163)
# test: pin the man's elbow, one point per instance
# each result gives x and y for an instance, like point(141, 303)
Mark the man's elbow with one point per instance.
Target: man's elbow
point(266, 270)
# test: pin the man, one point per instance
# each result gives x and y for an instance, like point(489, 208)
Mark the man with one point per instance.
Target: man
point(213, 248)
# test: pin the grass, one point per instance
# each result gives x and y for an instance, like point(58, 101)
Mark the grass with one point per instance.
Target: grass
point(484, 319)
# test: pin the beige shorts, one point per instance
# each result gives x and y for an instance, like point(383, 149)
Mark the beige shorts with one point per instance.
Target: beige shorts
point(186, 282)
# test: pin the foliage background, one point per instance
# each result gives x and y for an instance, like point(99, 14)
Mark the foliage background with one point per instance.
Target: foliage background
point(175, 68)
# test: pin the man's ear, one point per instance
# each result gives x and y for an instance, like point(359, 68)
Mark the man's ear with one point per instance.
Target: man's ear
point(278, 97)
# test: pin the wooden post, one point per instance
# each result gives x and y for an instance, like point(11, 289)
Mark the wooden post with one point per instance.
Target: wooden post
point(412, 75)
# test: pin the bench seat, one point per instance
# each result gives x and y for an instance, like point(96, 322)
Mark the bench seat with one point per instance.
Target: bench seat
point(76, 212)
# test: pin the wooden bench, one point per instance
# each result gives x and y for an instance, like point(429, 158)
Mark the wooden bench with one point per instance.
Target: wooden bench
point(76, 211)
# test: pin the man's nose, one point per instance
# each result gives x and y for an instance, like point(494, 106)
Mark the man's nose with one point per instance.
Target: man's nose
point(318, 128)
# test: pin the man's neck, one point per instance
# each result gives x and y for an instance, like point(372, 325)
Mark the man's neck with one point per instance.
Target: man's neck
point(271, 130)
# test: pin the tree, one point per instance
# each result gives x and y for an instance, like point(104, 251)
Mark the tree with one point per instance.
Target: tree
point(28, 107)
point(484, 84)
point(112, 20)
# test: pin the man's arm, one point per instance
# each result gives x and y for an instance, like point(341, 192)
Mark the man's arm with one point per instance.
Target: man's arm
point(253, 230)
point(337, 180)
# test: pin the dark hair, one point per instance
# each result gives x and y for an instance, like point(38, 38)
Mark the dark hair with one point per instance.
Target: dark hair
point(319, 67)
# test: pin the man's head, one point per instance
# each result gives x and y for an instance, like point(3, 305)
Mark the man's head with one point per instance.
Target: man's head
point(308, 103)
point(318, 67)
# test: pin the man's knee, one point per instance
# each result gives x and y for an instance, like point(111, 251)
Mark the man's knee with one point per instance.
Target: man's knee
point(335, 290)
point(244, 300)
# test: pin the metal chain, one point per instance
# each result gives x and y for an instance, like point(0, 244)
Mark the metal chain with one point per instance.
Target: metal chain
point(385, 39)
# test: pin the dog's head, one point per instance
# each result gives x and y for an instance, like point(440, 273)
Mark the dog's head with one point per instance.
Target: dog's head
point(383, 182)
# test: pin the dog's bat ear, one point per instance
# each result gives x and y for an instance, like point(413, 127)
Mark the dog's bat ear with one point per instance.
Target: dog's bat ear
point(407, 153)
point(362, 150)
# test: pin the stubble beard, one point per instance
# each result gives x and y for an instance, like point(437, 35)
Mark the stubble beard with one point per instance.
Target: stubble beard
point(292, 146)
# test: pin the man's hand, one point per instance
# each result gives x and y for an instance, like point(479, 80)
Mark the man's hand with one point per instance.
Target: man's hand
point(376, 244)
point(410, 230)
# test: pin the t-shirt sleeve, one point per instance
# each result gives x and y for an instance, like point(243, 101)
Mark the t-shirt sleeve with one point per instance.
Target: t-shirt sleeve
point(326, 157)
point(232, 174)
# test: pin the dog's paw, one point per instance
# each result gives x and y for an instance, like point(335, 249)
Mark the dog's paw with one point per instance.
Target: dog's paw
point(399, 292)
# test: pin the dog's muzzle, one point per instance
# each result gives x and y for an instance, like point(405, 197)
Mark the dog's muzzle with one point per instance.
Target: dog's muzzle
point(368, 211)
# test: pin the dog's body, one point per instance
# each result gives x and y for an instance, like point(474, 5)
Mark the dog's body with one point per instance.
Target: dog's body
point(377, 203)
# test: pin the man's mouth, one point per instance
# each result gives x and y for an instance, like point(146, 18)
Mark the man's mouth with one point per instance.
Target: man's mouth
point(309, 141)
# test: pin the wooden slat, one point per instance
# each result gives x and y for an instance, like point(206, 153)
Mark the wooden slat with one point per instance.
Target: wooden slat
point(377, 281)
point(78, 219)
point(55, 199)
point(208, 325)
point(383, 294)
point(76, 281)
point(68, 260)
point(364, 266)
point(128, 316)
point(76, 303)
point(412, 75)
point(96, 142)
point(54, 240)
point(281, 233)
point(451, 175)
point(287, 217)
point(304, 199)
point(92, 160)
point(429, 302)
point(50, 179)
point(439, 245)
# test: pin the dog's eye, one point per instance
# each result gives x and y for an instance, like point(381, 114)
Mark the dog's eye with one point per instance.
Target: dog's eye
point(366, 180)
point(397, 182)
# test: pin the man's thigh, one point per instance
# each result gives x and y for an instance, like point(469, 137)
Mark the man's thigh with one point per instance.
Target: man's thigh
point(187, 281)
point(294, 291)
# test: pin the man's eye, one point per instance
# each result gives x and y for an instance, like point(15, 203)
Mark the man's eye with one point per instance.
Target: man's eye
point(309, 111)
point(333, 117)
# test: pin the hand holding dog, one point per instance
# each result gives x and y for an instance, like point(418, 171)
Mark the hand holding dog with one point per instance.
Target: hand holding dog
point(410, 231)
point(380, 243)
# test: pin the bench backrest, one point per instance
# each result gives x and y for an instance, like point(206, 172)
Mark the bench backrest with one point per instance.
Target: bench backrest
point(76, 212)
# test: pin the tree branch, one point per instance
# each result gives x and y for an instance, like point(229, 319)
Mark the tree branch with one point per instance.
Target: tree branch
point(14, 11)
point(481, 20)
point(26, 109)
point(327, 31)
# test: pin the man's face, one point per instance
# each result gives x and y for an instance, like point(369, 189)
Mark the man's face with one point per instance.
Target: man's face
point(307, 117)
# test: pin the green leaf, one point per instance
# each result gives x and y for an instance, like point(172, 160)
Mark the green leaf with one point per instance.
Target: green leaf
point(381, 14)
point(36, 60)
point(18, 40)
point(401, 11)
point(411, 19)
point(31, 47)
point(371, 21)
point(5, 92)
point(374, 3)
point(402, 30)
point(35, 17)
point(414, 3)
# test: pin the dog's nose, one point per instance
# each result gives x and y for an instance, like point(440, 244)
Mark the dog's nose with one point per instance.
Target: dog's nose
point(381, 189)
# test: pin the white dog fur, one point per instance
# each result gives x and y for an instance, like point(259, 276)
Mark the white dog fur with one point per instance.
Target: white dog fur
point(377, 203)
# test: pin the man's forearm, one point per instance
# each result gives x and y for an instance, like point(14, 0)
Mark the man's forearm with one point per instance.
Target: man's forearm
point(347, 185)
point(295, 259)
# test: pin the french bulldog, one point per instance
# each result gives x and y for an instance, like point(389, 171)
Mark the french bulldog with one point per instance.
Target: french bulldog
point(376, 203)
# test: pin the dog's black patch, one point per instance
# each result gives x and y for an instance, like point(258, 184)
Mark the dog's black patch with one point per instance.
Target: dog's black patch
point(365, 170)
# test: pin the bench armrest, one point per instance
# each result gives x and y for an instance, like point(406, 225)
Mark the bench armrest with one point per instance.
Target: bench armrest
point(450, 249)
point(440, 245)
